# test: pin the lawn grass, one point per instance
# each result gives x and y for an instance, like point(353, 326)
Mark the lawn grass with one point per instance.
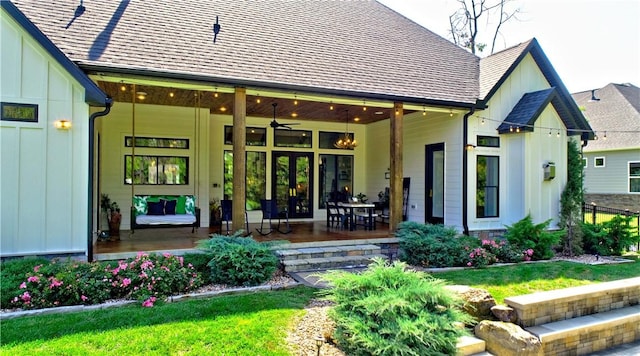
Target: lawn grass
point(249, 324)
point(525, 278)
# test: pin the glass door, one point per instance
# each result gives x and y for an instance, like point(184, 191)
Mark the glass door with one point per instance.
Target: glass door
point(434, 183)
point(293, 183)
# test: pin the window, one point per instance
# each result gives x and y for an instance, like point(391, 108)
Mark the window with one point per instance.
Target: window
point(256, 183)
point(328, 139)
point(336, 180)
point(19, 112)
point(634, 177)
point(488, 141)
point(256, 136)
point(157, 170)
point(292, 138)
point(487, 179)
point(585, 163)
point(598, 162)
point(156, 142)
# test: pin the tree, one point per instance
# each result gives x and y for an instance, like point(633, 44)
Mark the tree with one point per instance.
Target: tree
point(571, 201)
point(465, 22)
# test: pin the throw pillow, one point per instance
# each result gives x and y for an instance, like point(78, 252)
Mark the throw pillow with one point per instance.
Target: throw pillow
point(181, 205)
point(170, 207)
point(155, 208)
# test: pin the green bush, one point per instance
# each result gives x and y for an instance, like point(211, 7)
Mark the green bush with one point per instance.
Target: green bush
point(389, 310)
point(609, 238)
point(239, 261)
point(525, 235)
point(200, 262)
point(429, 245)
point(12, 273)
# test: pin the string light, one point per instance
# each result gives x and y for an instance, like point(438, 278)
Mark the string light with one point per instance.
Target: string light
point(482, 122)
point(215, 93)
point(424, 110)
point(295, 99)
point(518, 129)
point(258, 100)
point(549, 132)
point(171, 95)
point(364, 105)
point(450, 112)
point(331, 105)
point(558, 134)
point(123, 87)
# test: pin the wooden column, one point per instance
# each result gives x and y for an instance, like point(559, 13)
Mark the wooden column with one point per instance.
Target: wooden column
point(395, 194)
point(239, 158)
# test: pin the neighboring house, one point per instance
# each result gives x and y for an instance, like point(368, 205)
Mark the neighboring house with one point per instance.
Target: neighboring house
point(612, 162)
point(471, 134)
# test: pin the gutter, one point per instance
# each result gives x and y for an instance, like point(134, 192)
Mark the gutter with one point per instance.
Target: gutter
point(465, 133)
point(92, 123)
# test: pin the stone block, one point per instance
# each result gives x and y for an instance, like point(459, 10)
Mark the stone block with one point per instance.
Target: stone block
point(504, 313)
point(507, 339)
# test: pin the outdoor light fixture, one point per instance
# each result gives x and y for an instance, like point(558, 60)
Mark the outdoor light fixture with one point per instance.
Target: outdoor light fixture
point(469, 146)
point(62, 124)
point(141, 95)
point(346, 142)
point(319, 341)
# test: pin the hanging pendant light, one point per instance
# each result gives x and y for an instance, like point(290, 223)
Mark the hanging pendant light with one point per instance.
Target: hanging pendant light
point(346, 142)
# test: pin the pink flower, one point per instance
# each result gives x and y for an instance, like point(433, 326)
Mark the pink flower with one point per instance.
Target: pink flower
point(26, 297)
point(181, 260)
point(84, 298)
point(122, 265)
point(23, 285)
point(469, 264)
point(115, 270)
point(126, 282)
point(149, 302)
point(37, 268)
point(33, 279)
point(54, 283)
point(165, 268)
point(166, 255)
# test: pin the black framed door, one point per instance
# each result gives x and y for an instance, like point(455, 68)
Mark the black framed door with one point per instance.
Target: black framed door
point(434, 183)
point(292, 187)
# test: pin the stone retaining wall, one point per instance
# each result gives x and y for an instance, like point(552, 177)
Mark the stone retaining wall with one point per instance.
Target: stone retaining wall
point(616, 201)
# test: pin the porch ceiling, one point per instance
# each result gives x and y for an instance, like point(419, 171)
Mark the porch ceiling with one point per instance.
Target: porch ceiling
point(305, 110)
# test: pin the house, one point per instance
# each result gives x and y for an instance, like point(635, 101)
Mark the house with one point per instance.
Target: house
point(197, 109)
point(612, 162)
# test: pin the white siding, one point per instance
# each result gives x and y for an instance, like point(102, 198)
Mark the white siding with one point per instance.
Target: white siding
point(613, 178)
point(43, 185)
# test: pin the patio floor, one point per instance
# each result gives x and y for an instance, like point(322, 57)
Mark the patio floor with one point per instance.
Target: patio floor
point(176, 239)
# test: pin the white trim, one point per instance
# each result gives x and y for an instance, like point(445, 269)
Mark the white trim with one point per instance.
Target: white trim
point(629, 177)
point(585, 162)
point(595, 160)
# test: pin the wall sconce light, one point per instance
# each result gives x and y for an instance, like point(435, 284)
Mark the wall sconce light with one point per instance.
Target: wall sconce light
point(62, 124)
point(387, 174)
point(469, 147)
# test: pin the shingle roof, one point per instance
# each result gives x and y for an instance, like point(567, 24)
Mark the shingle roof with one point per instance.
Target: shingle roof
point(618, 109)
point(494, 67)
point(527, 110)
point(93, 94)
point(357, 47)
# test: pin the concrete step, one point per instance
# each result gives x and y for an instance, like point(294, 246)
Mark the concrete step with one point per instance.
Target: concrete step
point(323, 263)
point(470, 345)
point(305, 253)
point(590, 333)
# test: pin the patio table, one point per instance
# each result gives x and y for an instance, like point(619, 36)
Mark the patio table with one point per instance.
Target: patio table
point(350, 216)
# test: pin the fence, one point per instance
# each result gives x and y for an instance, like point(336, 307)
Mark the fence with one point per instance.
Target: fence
point(594, 214)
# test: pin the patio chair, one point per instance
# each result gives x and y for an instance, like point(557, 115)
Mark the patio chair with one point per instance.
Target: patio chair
point(270, 212)
point(335, 215)
point(362, 218)
point(227, 214)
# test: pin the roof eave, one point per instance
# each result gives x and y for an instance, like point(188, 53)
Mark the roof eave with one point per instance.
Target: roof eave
point(94, 96)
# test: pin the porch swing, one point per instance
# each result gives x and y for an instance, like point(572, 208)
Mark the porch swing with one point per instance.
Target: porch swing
point(157, 211)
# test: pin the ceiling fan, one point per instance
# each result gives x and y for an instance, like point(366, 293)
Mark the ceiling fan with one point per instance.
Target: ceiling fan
point(276, 124)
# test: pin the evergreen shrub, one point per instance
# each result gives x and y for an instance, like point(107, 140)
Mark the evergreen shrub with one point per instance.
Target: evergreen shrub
point(429, 245)
point(525, 235)
point(390, 310)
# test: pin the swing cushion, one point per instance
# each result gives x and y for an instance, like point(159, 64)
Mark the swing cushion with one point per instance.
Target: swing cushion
point(185, 204)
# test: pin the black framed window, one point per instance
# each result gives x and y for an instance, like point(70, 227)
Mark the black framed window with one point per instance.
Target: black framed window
point(336, 178)
point(19, 112)
point(256, 182)
point(328, 139)
point(487, 186)
point(157, 170)
point(256, 136)
point(488, 141)
point(157, 142)
point(634, 177)
point(292, 138)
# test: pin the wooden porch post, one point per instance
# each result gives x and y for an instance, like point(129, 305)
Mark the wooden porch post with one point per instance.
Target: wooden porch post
point(239, 158)
point(395, 195)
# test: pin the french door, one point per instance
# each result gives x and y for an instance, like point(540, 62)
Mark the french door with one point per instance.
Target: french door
point(434, 183)
point(292, 183)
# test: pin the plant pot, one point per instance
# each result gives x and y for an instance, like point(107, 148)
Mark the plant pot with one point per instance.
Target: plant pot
point(114, 226)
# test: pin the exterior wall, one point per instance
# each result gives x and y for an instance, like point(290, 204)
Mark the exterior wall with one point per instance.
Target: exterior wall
point(522, 189)
point(360, 153)
point(629, 202)
point(613, 178)
point(153, 121)
point(419, 131)
point(43, 176)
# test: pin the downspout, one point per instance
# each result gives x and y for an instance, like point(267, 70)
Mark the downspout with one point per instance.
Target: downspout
point(465, 133)
point(92, 119)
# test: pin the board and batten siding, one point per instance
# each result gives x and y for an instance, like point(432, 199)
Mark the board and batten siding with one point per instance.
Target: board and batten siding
point(613, 178)
point(522, 189)
point(44, 171)
point(154, 121)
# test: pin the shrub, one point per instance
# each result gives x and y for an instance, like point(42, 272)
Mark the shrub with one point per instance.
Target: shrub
point(609, 238)
point(429, 245)
point(239, 261)
point(12, 273)
point(389, 310)
point(491, 251)
point(200, 262)
point(525, 235)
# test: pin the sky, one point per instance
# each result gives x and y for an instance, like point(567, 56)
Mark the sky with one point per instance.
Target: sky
point(590, 43)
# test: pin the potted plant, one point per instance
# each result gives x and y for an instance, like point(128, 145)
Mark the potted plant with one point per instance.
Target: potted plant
point(215, 212)
point(112, 211)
